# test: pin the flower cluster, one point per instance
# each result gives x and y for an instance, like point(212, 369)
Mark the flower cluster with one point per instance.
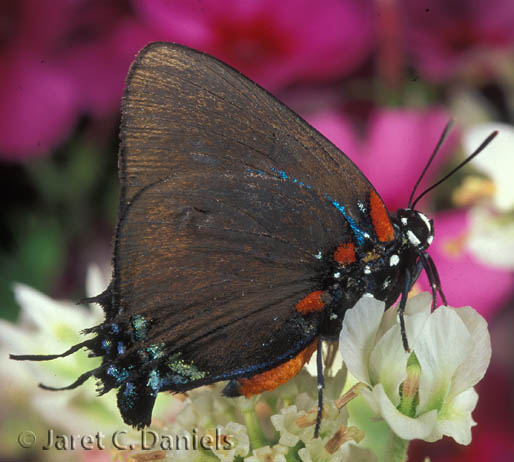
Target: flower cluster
point(427, 392)
point(422, 394)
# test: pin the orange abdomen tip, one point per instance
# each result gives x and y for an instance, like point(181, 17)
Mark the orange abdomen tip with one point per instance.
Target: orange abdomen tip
point(269, 380)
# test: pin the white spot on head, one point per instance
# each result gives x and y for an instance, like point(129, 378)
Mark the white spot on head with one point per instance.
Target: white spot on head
point(333, 316)
point(337, 275)
point(319, 255)
point(367, 270)
point(426, 221)
point(413, 238)
point(405, 220)
point(394, 260)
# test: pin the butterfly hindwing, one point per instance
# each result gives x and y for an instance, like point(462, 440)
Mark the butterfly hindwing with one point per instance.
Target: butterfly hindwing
point(221, 267)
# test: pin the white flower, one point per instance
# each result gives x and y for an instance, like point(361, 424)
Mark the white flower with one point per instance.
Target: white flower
point(427, 393)
point(206, 408)
point(267, 454)
point(296, 422)
point(48, 326)
point(491, 237)
point(234, 442)
point(315, 451)
point(497, 161)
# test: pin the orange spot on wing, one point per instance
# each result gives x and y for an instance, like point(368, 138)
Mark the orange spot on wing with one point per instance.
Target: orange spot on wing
point(345, 254)
point(380, 218)
point(310, 303)
point(269, 380)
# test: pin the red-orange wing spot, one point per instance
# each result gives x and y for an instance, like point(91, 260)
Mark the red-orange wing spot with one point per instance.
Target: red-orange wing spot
point(312, 302)
point(269, 380)
point(380, 218)
point(345, 254)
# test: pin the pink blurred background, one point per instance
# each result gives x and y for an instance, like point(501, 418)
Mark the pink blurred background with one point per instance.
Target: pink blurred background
point(379, 78)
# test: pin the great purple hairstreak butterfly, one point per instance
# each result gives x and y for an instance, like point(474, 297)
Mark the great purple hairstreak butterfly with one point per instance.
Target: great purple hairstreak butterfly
point(243, 237)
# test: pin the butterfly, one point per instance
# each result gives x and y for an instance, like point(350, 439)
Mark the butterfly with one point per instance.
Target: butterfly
point(243, 237)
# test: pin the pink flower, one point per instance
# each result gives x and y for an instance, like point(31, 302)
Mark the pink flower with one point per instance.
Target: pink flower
point(39, 103)
point(99, 66)
point(391, 152)
point(393, 149)
point(465, 280)
point(60, 59)
point(272, 42)
point(39, 106)
point(445, 36)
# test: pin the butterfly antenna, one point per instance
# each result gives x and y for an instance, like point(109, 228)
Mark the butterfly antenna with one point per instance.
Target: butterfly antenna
point(443, 136)
point(464, 162)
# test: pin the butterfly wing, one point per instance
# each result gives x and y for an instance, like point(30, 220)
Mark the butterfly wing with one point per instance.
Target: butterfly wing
point(217, 262)
point(217, 240)
point(183, 107)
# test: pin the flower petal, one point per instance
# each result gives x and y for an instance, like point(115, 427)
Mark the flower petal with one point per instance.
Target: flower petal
point(266, 454)
point(240, 442)
point(455, 419)
point(39, 105)
point(469, 373)
point(96, 283)
point(285, 424)
point(96, 280)
point(442, 346)
point(491, 239)
point(35, 306)
point(498, 162)
point(358, 335)
point(419, 304)
point(388, 363)
point(405, 427)
point(397, 140)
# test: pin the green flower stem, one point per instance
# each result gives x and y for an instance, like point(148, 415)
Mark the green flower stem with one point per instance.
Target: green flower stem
point(399, 448)
point(253, 427)
point(292, 454)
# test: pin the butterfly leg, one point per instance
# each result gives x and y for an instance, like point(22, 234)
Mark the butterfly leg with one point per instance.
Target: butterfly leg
point(401, 309)
point(321, 385)
point(435, 276)
point(419, 268)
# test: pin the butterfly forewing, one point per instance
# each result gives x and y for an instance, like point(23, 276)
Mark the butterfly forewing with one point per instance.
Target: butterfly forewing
point(184, 108)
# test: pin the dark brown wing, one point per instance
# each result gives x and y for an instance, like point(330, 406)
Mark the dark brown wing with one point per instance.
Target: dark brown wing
point(217, 261)
point(183, 107)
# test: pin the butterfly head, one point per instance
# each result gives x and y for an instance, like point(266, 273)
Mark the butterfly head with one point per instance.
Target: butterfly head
point(417, 229)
